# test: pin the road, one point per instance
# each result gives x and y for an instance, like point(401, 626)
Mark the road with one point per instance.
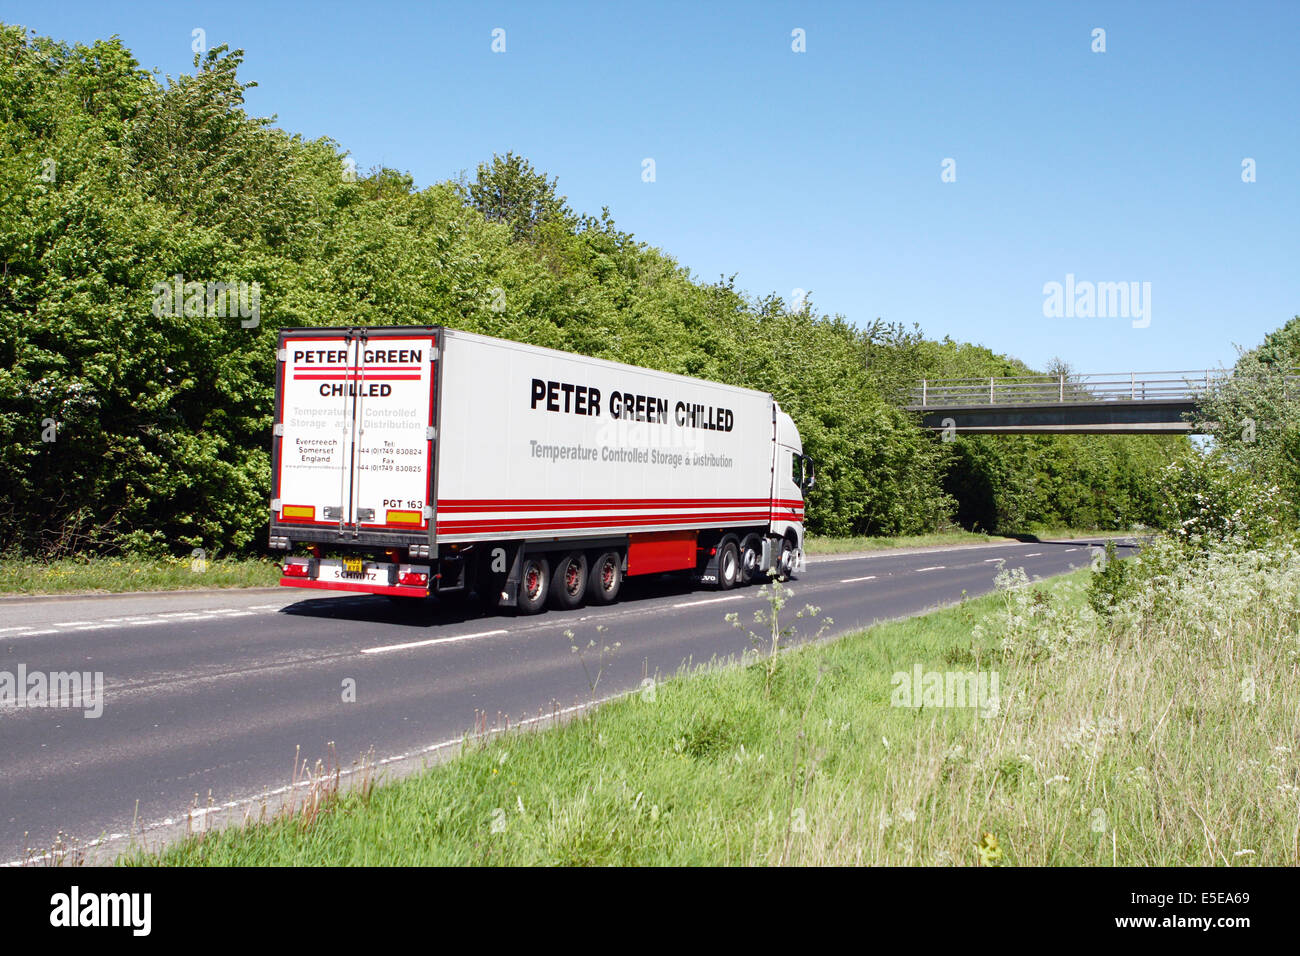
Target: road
point(209, 697)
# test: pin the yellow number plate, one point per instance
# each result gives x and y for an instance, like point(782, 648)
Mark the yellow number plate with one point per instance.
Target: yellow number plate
point(354, 565)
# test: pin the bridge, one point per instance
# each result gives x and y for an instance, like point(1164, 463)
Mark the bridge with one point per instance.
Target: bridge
point(1126, 403)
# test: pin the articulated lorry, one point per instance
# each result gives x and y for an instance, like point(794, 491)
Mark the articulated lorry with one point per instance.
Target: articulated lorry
point(419, 460)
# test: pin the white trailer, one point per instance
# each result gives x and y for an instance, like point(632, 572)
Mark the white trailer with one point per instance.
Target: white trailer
point(419, 459)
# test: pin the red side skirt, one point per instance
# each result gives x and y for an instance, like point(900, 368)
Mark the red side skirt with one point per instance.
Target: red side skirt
point(661, 551)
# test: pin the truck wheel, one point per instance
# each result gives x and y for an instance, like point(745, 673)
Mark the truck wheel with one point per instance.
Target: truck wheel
point(534, 581)
point(751, 552)
point(606, 578)
point(728, 566)
point(569, 581)
point(785, 563)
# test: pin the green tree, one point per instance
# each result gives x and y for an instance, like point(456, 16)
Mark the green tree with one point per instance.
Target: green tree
point(510, 191)
point(1254, 415)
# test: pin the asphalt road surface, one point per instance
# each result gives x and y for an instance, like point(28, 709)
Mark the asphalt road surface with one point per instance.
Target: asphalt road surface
point(209, 697)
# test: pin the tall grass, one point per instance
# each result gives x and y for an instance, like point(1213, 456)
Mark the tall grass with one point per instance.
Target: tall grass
point(22, 575)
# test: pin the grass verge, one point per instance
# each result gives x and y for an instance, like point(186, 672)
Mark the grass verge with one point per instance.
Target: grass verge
point(70, 575)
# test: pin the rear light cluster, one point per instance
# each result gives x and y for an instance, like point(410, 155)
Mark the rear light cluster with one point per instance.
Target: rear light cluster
point(297, 568)
point(413, 576)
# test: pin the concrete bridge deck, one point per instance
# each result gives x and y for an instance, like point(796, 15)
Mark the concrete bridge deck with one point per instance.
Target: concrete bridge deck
point(1127, 403)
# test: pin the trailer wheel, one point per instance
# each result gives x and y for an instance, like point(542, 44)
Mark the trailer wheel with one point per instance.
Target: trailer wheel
point(728, 566)
point(606, 578)
point(534, 583)
point(751, 552)
point(569, 581)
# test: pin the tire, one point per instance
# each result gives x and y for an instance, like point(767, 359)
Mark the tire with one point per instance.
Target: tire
point(728, 566)
point(785, 562)
point(605, 579)
point(569, 581)
point(751, 552)
point(534, 584)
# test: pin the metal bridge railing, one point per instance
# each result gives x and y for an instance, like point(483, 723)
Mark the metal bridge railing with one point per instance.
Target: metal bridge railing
point(1063, 389)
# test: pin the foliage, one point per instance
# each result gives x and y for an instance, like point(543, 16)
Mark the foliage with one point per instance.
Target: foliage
point(1254, 415)
point(1111, 581)
point(1211, 499)
point(509, 190)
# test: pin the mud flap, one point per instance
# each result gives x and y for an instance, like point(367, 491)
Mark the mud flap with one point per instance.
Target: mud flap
point(709, 573)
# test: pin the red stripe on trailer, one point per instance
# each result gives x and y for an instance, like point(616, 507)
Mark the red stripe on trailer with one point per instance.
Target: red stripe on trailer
point(460, 505)
point(562, 522)
point(355, 377)
point(665, 551)
point(349, 368)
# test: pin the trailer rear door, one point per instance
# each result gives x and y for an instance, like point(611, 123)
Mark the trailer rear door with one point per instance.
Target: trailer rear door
point(354, 439)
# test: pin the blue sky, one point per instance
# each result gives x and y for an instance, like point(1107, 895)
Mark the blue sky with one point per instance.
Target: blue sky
point(821, 170)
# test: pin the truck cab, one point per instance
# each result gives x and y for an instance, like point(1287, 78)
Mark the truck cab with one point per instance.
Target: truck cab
point(792, 476)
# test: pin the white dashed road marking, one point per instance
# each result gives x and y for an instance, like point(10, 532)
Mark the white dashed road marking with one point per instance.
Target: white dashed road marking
point(384, 648)
point(869, 577)
point(733, 597)
point(139, 620)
